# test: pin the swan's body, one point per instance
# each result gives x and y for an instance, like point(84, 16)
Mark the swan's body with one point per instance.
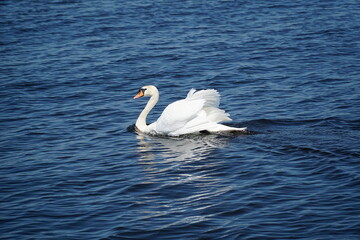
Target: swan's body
point(198, 112)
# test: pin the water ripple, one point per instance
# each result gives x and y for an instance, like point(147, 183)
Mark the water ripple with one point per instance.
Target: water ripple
point(72, 168)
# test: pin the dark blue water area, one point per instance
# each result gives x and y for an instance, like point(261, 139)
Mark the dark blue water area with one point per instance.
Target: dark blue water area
point(72, 166)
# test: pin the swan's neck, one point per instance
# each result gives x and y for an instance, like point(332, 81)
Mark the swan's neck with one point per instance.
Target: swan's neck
point(141, 121)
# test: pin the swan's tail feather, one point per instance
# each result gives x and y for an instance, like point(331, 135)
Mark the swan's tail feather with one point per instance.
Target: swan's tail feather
point(216, 115)
point(211, 97)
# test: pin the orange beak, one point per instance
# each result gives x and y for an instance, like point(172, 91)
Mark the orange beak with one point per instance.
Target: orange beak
point(140, 94)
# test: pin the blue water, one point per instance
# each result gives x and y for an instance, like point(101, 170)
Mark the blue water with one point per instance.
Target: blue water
point(72, 167)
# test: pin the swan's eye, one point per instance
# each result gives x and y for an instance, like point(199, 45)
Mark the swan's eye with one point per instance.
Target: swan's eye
point(140, 93)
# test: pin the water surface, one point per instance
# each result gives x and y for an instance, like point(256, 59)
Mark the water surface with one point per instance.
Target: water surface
point(73, 168)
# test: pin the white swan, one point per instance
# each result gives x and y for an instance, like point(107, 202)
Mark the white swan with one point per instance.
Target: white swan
point(198, 112)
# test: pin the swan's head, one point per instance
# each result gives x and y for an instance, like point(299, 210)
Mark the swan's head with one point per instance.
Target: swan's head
point(147, 91)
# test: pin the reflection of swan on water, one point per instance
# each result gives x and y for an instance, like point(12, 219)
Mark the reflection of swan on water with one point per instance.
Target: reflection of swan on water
point(179, 149)
point(175, 166)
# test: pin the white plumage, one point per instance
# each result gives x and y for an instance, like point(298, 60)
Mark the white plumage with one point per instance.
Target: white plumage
point(199, 111)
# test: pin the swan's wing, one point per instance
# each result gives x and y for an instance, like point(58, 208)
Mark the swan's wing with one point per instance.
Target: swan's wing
point(211, 111)
point(198, 111)
point(177, 114)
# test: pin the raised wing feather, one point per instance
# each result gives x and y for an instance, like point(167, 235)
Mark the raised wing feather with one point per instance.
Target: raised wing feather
point(211, 97)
